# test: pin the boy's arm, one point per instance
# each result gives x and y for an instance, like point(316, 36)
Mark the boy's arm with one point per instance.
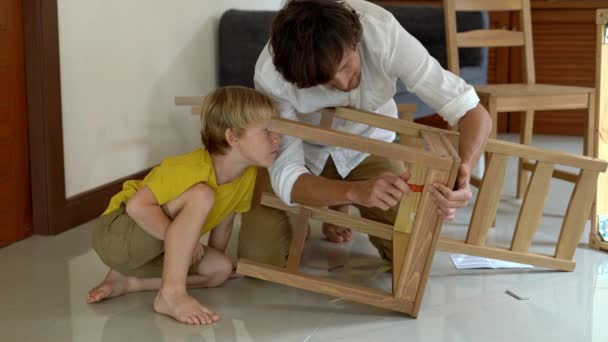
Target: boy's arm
point(143, 208)
point(219, 237)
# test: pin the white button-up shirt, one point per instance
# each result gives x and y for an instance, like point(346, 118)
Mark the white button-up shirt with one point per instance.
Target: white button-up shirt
point(388, 53)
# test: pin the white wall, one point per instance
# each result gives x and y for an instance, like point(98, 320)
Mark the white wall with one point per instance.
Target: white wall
point(122, 63)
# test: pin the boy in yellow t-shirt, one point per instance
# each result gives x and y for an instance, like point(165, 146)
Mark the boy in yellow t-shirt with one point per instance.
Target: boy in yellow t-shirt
point(149, 234)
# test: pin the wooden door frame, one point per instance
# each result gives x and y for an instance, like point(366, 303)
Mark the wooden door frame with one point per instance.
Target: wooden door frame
point(52, 212)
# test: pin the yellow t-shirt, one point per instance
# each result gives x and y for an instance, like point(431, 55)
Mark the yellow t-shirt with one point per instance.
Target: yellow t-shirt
point(176, 174)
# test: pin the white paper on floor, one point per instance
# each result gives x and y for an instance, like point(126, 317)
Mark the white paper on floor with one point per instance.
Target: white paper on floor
point(462, 261)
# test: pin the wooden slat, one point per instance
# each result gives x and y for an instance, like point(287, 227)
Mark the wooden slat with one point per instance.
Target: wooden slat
point(408, 205)
point(335, 217)
point(525, 22)
point(549, 156)
point(372, 146)
point(589, 137)
point(487, 201)
point(559, 174)
point(196, 110)
point(601, 18)
point(298, 239)
point(532, 207)
point(406, 216)
point(493, 145)
point(324, 286)
point(449, 9)
point(488, 5)
point(377, 120)
point(547, 102)
point(600, 139)
point(406, 111)
point(578, 211)
point(541, 260)
point(327, 118)
point(525, 138)
point(490, 38)
point(422, 242)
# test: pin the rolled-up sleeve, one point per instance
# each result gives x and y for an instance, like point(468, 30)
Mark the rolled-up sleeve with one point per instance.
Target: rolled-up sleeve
point(443, 91)
point(290, 163)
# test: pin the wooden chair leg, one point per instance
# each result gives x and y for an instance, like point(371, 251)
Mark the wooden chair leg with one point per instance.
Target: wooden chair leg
point(298, 239)
point(589, 145)
point(589, 142)
point(525, 138)
point(493, 110)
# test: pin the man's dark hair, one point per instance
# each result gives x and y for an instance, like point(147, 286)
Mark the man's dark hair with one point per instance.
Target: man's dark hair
point(308, 39)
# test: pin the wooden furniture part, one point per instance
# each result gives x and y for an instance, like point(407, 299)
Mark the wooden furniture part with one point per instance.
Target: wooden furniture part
point(564, 53)
point(526, 97)
point(432, 157)
point(600, 215)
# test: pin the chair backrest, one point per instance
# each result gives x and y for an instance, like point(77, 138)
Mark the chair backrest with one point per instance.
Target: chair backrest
point(490, 37)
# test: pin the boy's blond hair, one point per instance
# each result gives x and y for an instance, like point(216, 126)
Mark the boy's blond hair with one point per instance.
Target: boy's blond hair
point(231, 107)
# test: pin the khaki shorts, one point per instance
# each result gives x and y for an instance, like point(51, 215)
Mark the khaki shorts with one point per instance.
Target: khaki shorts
point(125, 247)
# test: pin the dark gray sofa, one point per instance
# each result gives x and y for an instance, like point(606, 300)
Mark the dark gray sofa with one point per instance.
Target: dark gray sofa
point(243, 34)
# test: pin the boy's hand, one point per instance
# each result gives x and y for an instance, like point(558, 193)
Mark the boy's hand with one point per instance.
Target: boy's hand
point(197, 253)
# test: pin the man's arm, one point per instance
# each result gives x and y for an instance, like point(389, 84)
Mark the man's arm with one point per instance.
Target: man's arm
point(220, 236)
point(474, 128)
point(383, 192)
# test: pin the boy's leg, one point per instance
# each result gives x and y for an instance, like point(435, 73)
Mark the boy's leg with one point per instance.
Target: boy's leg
point(181, 237)
point(371, 167)
point(332, 232)
point(265, 233)
point(212, 270)
point(190, 210)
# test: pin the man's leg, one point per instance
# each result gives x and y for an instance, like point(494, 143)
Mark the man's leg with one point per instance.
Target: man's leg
point(371, 167)
point(265, 234)
point(333, 232)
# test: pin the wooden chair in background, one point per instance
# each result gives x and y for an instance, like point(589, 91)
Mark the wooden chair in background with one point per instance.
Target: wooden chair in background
point(526, 97)
point(600, 150)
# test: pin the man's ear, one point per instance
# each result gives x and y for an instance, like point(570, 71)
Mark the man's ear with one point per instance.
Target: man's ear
point(231, 137)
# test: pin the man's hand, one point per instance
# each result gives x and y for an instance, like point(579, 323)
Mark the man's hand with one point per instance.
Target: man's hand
point(197, 253)
point(383, 192)
point(449, 200)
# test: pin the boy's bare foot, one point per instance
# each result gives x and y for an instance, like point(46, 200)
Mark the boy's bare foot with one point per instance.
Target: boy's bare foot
point(183, 308)
point(115, 284)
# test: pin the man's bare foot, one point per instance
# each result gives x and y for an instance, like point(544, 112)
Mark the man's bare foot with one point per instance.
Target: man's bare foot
point(337, 234)
point(115, 284)
point(183, 308)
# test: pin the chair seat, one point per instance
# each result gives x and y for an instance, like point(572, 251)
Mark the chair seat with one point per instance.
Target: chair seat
point(532, 90)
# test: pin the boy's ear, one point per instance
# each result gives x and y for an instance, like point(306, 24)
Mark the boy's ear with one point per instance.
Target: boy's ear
point(231, 137)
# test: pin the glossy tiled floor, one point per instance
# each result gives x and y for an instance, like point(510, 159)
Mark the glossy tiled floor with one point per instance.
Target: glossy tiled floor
point(44, 280)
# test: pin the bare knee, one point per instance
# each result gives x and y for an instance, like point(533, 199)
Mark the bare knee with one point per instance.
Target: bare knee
point(218, 271)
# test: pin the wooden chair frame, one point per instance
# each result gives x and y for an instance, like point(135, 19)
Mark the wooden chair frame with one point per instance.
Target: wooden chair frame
point(432, 157)
point(527, 97)
point(601, 128)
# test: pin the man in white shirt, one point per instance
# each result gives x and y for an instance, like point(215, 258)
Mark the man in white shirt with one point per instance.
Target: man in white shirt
point(329, 53)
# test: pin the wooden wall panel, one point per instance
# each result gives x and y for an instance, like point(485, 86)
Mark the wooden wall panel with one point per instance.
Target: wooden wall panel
point(15, 199)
